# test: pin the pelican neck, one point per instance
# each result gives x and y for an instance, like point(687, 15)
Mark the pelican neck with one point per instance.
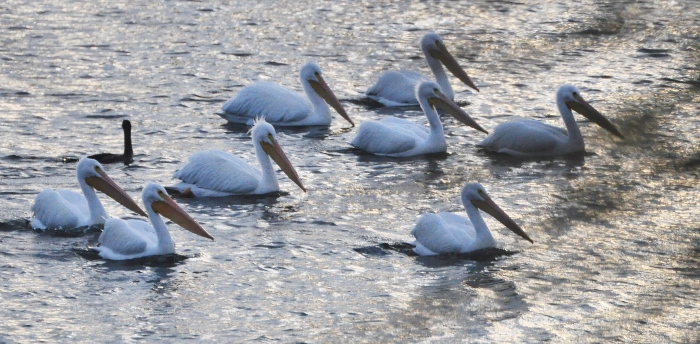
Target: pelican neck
point(439, 74)
point(572, 128)
point(484, 238)
point(319, 108)
point(166, 245)
point(437, 133)
point(268, 180)
point(98, 214)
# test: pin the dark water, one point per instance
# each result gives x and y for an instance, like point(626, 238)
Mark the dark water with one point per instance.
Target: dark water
point(617, 244)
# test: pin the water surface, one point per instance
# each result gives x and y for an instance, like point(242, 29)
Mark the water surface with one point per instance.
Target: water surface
point(617, 246)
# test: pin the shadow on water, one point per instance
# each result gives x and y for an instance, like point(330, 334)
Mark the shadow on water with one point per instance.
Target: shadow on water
point(365, 157)
point(72, 232)
point(162, 261)
point(484, 255)
point(266, 199)
point(570, 160)
point(14, 225)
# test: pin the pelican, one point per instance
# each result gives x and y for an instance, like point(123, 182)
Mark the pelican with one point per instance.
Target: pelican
point(132, 239)
point(395, 88)
point(68, 209)
point(449, 233)
point(283, 107)
point(128, 156)
point(216, 173)
point(529, 138)
point(397, 137)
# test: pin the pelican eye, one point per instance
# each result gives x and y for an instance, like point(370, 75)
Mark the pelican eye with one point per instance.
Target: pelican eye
point(270, 137)
point(97, 169)
point(161, 194)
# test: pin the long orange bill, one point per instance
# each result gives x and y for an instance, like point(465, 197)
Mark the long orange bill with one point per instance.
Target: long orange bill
point(277, 154)
point(172, 211)
point(453, 109)
point(492, 209)
point(111, 189)
point(325, 92)
point(585, 109)
point(449, 61)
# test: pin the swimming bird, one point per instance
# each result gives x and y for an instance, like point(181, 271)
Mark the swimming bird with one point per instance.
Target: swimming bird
point(66, 209)
point(282, 107)
point(130, 239)
point(395, 88)
point(450, 233)
point(397, 137)
point(529, 138)
point(128, 156)
point(215, 173)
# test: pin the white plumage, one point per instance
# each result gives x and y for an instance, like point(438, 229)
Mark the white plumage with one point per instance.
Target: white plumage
point(396, 88)
point(215, 173)
point(398, 137)
point(529, 138)
point(283, 107)
point(66, 209)
point(130, 239)
point(444, 233)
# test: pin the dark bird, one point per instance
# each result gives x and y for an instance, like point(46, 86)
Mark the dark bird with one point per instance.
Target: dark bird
point(128, 156)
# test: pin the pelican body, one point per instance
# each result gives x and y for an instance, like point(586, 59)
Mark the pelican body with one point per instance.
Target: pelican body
point(445, 233)
point(66, 209)
point(215, 173)
point(396, 88)
point(529, 138)
point(397, 137)
point(126, 158)
point(282, 107)
point(130, 239)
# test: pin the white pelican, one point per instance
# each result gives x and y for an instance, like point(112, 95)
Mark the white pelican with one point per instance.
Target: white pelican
point(283, 107)
point(529, 138)
point(395, 88)
point(398, 137)
point(132, 239)
point(216, 173)
point(128, 156)
point(68, 209)
point(449, 233)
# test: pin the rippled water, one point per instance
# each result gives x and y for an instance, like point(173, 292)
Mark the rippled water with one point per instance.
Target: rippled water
point(617, 245)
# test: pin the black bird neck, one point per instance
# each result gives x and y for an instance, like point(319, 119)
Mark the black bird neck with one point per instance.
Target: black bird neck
point(128, 150)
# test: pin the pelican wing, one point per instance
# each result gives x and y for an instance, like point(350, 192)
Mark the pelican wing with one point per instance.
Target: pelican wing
point(145, 229)
point(62, 208)
point(275, 103)
point(443, 232)
point(120, 239)
point(524, 137)
point(219, 171)
point(396, 88)
point(75, 200)
point(389, 136)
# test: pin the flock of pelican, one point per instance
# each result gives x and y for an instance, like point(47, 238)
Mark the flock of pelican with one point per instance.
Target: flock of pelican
point(264, 105)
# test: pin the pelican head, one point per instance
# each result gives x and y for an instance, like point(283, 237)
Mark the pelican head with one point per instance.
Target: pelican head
point(432, 92)
point(571, 96)
point(264, 134)
point(93, 174)
point(476, 194)
point(432, 45)
point(311, 73)
point(157, 199)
